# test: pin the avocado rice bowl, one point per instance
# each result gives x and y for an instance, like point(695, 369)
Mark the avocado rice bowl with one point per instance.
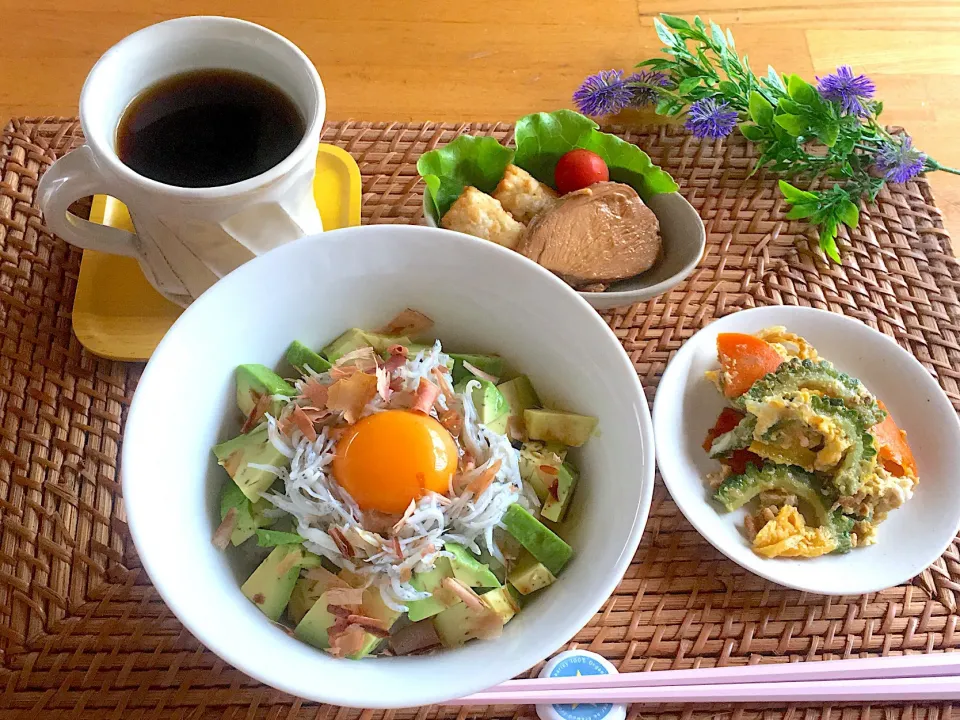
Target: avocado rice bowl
point(406, 499)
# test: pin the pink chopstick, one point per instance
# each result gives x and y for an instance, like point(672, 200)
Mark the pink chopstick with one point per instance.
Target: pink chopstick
point(888, 669)
point(925, 665)
point(877, 689)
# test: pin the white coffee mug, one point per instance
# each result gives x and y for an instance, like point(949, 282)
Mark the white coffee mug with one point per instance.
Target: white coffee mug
point(188, 238)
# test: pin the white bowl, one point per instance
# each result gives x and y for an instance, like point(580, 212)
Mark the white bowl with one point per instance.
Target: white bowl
point(684, 240)
point(913, 536)
point(483, 298)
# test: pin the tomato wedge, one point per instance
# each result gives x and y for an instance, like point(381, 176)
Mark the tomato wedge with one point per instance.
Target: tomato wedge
point(744, 359)
point(895, 454)
point(726, 422)
point(738, 459)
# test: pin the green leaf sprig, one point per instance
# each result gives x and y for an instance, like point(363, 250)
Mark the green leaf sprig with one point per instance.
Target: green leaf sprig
point(827, 135)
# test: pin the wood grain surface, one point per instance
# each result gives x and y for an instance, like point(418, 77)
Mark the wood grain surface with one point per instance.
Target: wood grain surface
point(499, 59)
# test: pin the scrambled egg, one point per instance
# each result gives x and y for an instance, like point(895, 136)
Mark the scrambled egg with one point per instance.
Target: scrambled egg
point(794, 445)
point(879, 493)
point(788, 344)
point(787, 535)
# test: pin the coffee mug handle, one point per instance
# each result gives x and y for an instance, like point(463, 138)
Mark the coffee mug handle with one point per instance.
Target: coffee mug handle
point(75, 176)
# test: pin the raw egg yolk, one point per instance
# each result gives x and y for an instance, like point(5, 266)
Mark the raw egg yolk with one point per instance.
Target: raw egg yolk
point(388, 459)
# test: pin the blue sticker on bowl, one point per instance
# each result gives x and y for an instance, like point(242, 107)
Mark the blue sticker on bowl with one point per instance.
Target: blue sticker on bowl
point(575, 666)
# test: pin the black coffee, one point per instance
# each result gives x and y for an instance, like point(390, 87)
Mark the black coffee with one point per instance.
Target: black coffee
point(206, 128)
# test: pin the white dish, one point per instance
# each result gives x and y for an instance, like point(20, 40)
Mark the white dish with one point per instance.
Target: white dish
point(913, 536)
point(684, 240)
point(483, 298)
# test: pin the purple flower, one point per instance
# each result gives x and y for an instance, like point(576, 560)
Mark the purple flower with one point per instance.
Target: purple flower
point(901, 161)
point(847, 89)
point(639, 83)
point(708, 118)
point(605, 93)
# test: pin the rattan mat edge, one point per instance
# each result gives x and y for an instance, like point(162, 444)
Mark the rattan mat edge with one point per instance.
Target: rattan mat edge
point(83, 633)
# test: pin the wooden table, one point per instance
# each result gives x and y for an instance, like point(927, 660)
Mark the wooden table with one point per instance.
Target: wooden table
point(500, 59)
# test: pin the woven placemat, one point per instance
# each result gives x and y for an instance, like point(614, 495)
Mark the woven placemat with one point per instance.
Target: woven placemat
point(84, 635)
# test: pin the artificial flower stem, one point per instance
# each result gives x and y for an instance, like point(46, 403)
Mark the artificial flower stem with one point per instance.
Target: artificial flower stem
point(934, 165)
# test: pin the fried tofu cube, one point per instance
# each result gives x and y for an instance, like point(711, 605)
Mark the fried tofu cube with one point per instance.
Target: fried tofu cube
point(476, 213)
point(522, 195)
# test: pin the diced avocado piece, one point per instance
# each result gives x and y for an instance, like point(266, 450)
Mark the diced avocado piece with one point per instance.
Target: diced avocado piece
point(492, 408)
point(520, 396)
point(300, 357)
point(313, 626)
point(272, 538)
point(237, 454)
point(269, 589)
point(468, 570)
point(308, 590)
point(544, 544)
point(355, 338)
point(249, 514)
point(255, 380)
point(528, 575)
point(352, 339)
point(559, 493)
point(555, 425)
point(502, 602)
point(374, 607)
point(432, 582)
point(490, 364)
point(533, 455)
point(461, 623)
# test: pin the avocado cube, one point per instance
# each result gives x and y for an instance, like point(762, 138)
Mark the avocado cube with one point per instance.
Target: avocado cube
point(468, 570)
point(490, 364)
point(305, 593)
point(502, 602)
point(544, 544)
point(313, 626)
point(558, 426)
point(308, 590)
point(352, 339)
point(520, 396)
point(269, 590)
point(250, 515)
point(301, 357)
point(256, 380)
point(558, 498)
point(238, 454)
point(461, 623)
point(533, 456)
point(528, 575)
point(491, 405)
point(432, 582)
point(374, 607)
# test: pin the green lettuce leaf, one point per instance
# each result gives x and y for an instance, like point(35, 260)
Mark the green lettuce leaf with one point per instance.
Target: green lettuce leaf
point(468, 160)
point(543, 138)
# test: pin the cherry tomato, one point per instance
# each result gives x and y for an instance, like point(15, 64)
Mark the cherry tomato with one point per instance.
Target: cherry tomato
point(578, 169)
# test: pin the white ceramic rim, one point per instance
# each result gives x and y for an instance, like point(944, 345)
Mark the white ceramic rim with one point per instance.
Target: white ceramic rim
point(658, 413)
point(217, 192)
point(512, 665)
